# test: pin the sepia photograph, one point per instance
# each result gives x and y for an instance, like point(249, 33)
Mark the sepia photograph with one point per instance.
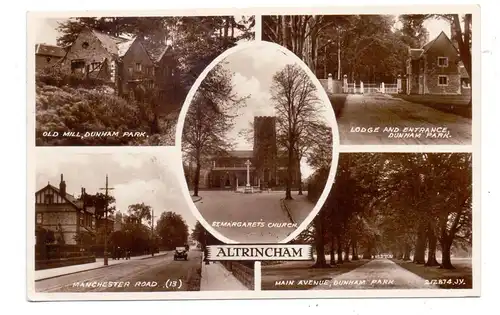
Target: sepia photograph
point(391, 221)
point(258, 144)
point(119, 226)
point(392, 79)
point(122, 80)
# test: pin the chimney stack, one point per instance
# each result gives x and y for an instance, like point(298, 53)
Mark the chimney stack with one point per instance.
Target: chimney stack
point(62, 186)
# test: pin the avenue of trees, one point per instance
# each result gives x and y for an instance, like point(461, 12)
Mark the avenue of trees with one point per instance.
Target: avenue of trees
point(414, 206)
point(195, 42)
point(364, 47)
point(208, 120)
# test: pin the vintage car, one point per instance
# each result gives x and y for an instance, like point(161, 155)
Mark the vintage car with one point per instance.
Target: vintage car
point(181, 253)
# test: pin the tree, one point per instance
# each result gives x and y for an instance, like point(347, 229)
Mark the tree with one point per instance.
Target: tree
point(209, 119)
point(295, 101)
point(140, 212)
point(172, 230)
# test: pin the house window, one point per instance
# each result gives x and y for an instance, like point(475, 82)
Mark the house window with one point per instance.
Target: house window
point(39, 218)
point(85, 45)
point(442, 80)
point(443, 61)
point(138, 67)
point(48, 59)
point(78, 65)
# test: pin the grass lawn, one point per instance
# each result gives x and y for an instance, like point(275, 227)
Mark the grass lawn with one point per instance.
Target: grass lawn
point(458, 278)
point(454, 104)
point(301, 270)
point(338, 102)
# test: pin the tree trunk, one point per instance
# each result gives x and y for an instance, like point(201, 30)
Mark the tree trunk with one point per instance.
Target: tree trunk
point(299, 178)
point(332, 251)
point(346, 253)
point(319, 242)
point(339, 250)
point(197, 177)
point(407, 252)
point(419, 257)
point(290, 164)
point(431, 256)
point(446, 250)
point(368, 252)
point(354, 251)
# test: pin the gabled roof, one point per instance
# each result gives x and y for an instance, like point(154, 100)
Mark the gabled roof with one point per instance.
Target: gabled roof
point(123, 47)
point(110, 43)
point(241, 153)
point(157, 53)
point(49, 50)
point(416, 53)
point(69, 198)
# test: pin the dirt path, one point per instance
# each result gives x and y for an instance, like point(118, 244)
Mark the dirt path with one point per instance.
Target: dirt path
point(379, 110)
point(377, 274)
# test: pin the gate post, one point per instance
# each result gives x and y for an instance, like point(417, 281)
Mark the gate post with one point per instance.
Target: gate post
point(361, 88)
point(382, 89)
point(399, 84)
point(330, 83)
point(346, 86)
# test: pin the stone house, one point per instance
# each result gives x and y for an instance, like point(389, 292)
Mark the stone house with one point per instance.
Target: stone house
point(62, 213)
point(436, 69)
point(47, 55)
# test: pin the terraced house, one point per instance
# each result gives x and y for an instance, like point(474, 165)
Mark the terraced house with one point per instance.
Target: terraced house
point(125, 63)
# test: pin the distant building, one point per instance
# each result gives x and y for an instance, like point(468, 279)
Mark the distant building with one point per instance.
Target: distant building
point(47, 55)
point(60, 212)
point(436, 68)
point(267, 166)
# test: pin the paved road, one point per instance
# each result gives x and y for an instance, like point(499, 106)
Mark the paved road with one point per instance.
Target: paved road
point(376, 274)
point(386, 111)
point(263, 208)
point(161, 270)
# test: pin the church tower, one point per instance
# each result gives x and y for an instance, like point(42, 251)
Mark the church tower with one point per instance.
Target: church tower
point(265, 150)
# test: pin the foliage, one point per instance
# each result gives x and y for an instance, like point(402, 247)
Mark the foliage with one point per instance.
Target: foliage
point(172, 230)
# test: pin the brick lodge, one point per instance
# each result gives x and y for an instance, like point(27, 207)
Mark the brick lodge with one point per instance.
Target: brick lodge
point(60, 212)
point(267, 165)
point(123, 63)
point(436, 69)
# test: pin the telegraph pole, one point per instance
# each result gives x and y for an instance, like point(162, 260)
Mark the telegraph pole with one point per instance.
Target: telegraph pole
point(152, 232)
point(106, 222)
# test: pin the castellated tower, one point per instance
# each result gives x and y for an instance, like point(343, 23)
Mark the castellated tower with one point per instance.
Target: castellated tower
point(265, 150)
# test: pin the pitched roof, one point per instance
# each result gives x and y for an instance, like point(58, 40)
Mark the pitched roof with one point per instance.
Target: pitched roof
point(123, 47)
point(71, 199)
point(49, 50)
point(110, 43)
point(157, 53)
point(416, 53)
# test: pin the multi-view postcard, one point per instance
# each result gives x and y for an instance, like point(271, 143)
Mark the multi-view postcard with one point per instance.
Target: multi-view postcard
point(256, 153)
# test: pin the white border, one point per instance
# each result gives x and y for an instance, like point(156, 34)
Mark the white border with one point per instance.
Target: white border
point(329, 110)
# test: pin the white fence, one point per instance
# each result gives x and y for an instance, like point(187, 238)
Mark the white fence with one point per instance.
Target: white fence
point(369, 88)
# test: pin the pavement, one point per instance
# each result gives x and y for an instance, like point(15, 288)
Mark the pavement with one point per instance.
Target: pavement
point(263, 208)
point(159, 273)
point(376, 274)
point(215, 277)
point(382, 110)
point(56, 272)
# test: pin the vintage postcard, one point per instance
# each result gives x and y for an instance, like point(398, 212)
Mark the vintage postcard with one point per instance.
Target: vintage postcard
point(254, 153)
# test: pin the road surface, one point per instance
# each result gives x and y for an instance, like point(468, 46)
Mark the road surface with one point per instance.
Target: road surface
point(382, 110)
point(272, 222)
point(376, 274)
point(160, 273)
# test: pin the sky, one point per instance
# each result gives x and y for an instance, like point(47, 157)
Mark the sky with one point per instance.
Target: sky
point(135, 177)
point(253, 69)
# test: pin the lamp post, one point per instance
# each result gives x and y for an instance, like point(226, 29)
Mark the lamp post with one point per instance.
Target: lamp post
point(106, 221)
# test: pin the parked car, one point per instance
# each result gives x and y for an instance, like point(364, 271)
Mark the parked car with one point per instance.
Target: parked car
point(180, 253)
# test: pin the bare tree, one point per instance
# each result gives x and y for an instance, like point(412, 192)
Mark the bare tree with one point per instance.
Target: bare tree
point(295, 99)
point(209, 119)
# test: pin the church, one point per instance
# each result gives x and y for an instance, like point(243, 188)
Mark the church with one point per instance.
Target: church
point(265, 165)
